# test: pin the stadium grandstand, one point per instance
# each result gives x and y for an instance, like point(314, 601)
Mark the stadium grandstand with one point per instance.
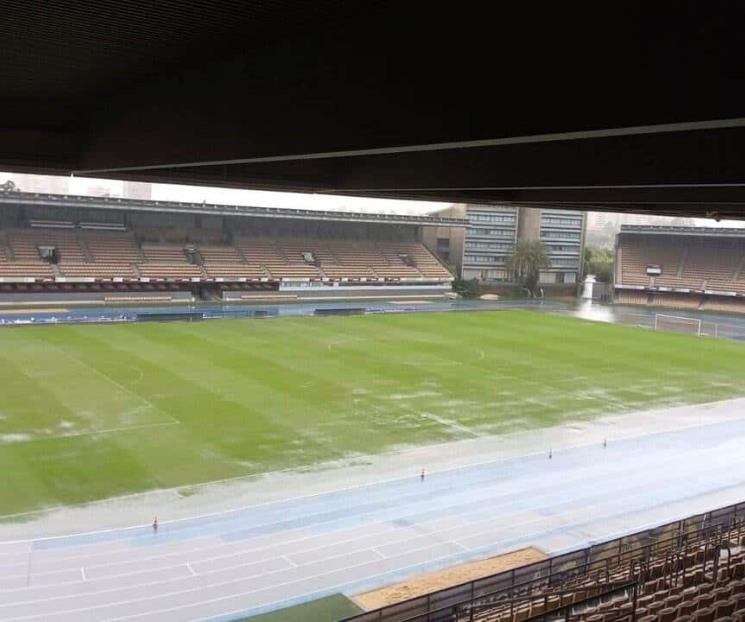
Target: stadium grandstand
point(681, 267)
point(86, 249)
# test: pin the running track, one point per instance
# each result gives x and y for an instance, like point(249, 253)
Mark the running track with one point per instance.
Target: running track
point(223, 566)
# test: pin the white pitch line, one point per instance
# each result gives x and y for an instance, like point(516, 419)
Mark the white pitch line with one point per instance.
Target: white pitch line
point(116, 383)
point(82, 573)
point(449, 423)
point(190, 569)
point(288, 560)
point(140, 376)
point(96, 432)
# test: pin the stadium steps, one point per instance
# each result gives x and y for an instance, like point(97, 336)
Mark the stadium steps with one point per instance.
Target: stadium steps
point(6, 252)
point(438, 259)
point(87, 254)
point(682, 262)
point(738, 270)
point(240, 254)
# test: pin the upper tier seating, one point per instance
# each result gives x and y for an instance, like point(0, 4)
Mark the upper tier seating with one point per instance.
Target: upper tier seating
point(108, 255)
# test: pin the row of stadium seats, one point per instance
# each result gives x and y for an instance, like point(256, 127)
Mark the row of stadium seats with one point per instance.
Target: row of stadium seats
point(692, 583)
point(691, 570)
point(107, 255)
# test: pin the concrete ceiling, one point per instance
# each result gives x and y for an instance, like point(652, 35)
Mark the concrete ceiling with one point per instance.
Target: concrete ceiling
point(632, 106)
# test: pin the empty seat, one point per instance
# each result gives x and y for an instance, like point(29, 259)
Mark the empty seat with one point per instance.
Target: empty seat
point(723, 608)
point(739, 599)
point(723, 592)
point(705, 600)
point(705, 614)
point(674, 600)
point(655, 607)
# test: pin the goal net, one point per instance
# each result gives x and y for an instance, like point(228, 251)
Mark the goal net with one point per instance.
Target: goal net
point(678, 324)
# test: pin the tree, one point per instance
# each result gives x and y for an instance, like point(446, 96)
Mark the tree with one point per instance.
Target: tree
point(526, 263)
point(599, 261)
point(467, 289)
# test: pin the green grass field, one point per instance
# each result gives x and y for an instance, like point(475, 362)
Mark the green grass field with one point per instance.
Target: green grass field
point(94, 411)
point(329, 609)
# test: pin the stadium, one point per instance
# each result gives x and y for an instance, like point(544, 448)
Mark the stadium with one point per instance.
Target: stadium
point(409, 399)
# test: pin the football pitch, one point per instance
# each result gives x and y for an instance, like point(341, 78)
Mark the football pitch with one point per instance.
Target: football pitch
point(94, 411)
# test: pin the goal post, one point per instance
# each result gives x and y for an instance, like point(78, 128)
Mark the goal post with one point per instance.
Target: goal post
point(677, 323)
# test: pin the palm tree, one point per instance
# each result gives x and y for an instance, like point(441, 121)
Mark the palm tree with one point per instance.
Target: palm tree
point(526, 263)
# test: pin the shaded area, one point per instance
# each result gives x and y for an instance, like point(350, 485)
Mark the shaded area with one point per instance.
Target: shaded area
point(110, 85)
point(329, 609)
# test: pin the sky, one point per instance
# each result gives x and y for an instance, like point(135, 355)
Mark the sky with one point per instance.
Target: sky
point(197, 194)
point(260, 198)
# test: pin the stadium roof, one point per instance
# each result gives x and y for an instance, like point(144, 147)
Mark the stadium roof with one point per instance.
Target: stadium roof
point(714, 232)
point(214, 209)
point(625, 106)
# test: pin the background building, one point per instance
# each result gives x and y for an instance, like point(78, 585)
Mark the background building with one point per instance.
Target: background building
point(494, 230)
point(562, 233)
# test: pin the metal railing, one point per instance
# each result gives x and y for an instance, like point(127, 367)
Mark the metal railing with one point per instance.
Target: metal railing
point(634, 552)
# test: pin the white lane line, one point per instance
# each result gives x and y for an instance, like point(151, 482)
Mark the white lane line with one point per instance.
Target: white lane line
point(200, 588)
point(82, 573)
point(268, 547)
point(597, 519)
point(580, 511)
point(288, 560)
point(370, 578)
point(497, 493)
point(190, 569)
point(378, 553)
point(545, 501)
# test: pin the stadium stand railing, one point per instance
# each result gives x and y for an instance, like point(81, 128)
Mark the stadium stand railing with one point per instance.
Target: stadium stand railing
point(691, 567)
